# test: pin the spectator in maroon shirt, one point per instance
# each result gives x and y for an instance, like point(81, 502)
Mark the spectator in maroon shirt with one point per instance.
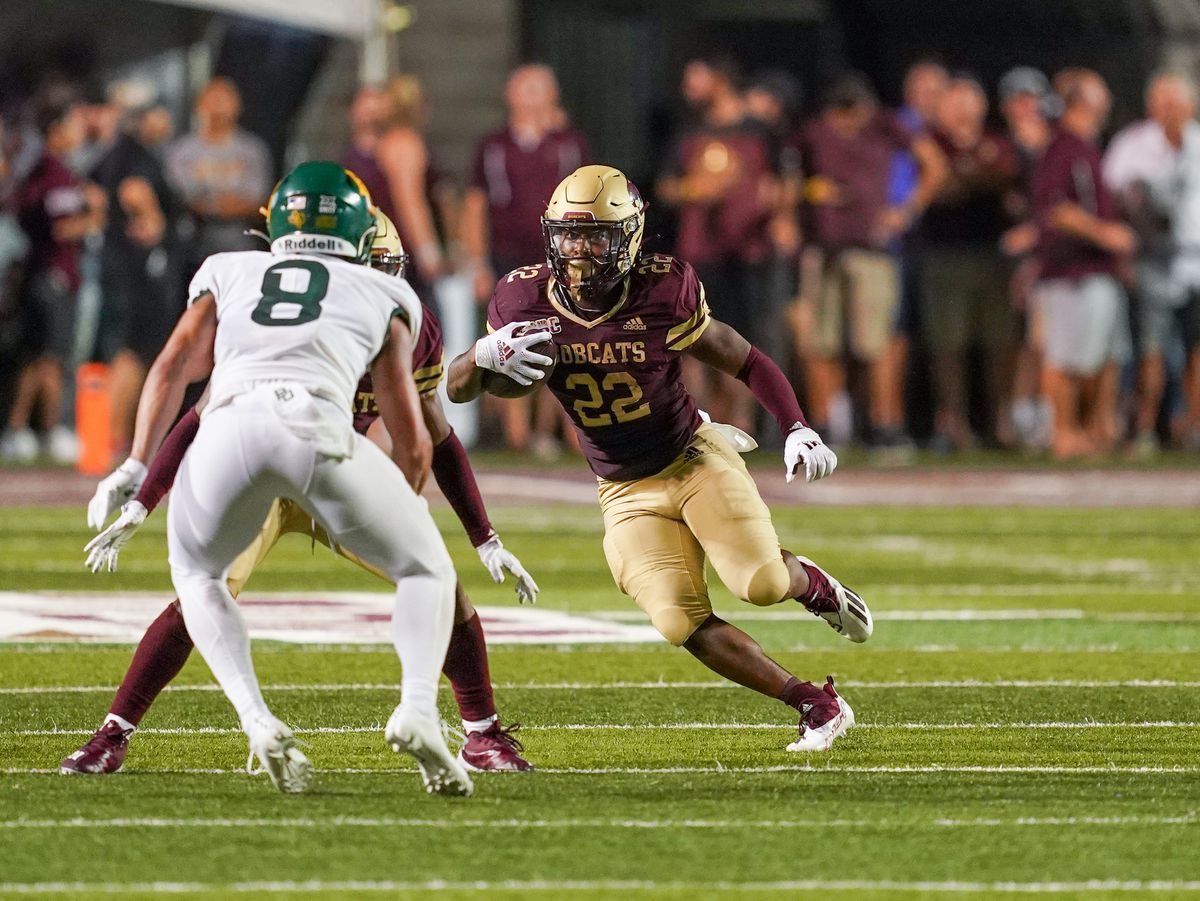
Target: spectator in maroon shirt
point(53, 211)
point(722, 182)
point(1082, 305)
point(849, 279)
point(964, 273)
point(516, 170)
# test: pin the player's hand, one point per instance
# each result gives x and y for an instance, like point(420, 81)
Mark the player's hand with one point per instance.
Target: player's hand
point(497, 558)
point(102, 551)
point(509, 355)
point(805, 446)
point(114, 490)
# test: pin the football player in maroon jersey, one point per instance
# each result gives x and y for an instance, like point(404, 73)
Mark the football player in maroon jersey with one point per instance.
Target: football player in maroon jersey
point(672, 486)
point(166, 645)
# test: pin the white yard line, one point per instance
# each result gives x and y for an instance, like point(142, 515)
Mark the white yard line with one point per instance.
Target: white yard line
point(630, 727)
point(697, 770)
point(646, 686)
point(936, 616)
point(561, 887)
point(578, 823)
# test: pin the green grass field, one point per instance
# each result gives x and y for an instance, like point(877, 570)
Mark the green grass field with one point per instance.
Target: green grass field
point(1029, 716)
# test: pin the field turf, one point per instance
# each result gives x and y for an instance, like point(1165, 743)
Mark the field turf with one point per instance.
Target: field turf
point(1029, 722)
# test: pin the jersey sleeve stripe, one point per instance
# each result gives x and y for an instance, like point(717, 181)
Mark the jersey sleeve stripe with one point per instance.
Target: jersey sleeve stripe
point(691, 337)
point(429, 383)
point(428, 372)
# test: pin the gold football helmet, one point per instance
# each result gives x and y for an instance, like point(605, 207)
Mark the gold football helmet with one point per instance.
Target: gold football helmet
point(593, 228)
point(387, 253)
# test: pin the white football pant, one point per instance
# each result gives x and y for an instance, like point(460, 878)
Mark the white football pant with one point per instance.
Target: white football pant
point(264, 445)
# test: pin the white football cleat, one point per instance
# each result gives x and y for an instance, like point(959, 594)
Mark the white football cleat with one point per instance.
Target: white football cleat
point(276, 749)
point(821, 724)
point(846, 612)
point(420, 735)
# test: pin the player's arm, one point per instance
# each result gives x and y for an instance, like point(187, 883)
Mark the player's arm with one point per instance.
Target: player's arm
point(400, 405)
point(187, 357)
point(501, 351)
point(723, 348)
point(456, 479)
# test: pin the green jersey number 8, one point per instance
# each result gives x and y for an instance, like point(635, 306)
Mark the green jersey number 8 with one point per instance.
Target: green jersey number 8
point(292, 292)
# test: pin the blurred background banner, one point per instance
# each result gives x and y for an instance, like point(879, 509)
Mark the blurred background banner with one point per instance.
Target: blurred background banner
point(345, 18)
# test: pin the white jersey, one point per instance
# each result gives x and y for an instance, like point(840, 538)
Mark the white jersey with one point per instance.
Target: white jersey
point(316, 321)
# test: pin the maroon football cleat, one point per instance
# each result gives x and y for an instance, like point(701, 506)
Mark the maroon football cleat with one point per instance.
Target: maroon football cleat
point(842, 608)
point(494, 750)
point(821, 722)
point(104, 753)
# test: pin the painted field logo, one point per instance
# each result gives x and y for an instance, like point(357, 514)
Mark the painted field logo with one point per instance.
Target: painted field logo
point(338, 617)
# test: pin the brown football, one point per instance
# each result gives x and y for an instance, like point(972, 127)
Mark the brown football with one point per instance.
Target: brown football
point(502, 386)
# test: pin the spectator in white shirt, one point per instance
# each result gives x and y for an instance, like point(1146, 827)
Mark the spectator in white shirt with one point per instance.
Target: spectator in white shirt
point(1154, 168)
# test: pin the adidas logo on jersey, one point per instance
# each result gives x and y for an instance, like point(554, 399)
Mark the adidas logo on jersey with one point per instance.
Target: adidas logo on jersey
point(635, 325)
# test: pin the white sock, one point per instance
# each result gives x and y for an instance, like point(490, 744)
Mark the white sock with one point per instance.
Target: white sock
point(219, 632)
point(470, 726)
point(120, 721)
point(421, 624)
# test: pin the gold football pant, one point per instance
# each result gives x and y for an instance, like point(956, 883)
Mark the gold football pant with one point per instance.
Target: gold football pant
point(657, 531)
point(285, 517)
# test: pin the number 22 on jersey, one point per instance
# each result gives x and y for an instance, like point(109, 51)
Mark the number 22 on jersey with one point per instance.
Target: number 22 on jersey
point(618, 391)
point(292, 292)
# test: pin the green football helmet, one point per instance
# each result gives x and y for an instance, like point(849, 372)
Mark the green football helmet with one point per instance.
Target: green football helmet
point(321, 207)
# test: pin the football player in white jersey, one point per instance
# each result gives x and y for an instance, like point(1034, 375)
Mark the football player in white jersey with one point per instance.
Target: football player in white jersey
point(284, 337)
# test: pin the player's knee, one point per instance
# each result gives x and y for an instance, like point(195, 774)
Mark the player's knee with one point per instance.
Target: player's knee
point(767, 585)
point(673, 624)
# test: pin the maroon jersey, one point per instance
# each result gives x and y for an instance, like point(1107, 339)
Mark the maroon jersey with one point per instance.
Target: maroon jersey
point(427, 371)
point(51, 192)
point(618, 376)
point(1069, 172)
point(518, 181)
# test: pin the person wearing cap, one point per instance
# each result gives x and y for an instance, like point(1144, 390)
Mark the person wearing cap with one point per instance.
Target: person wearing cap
point(1153, 166)
point(139, 260)
point(1027, 104)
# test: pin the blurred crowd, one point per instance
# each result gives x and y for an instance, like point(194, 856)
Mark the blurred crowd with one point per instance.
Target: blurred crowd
point(974, 267)
point(977, 254)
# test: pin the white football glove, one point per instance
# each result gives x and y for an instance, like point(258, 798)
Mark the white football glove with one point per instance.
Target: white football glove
point(497, 558)
point(102, 551)
point(508, 355)
point(114, 490)
point(805, 446)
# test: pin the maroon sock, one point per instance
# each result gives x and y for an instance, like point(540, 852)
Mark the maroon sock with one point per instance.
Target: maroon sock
point(159, 657)
point(818, 585)
point(795, 693)
point(467, 669)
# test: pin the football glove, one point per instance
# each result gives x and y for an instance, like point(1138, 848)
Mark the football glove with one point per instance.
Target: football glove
point(114, 490)
point(102, 551)
point(509, 354)
point(805, 446)
point(497, 558)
